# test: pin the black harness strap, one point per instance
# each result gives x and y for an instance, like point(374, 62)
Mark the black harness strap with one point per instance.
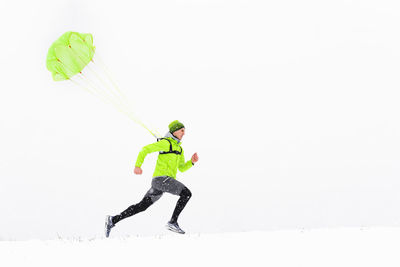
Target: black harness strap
point(170, 148)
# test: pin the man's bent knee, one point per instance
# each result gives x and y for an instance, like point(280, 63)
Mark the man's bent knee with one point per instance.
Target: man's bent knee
point(186, 193)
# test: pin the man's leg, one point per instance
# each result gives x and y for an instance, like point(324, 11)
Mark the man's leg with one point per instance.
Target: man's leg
point(172, 186)
point(185, 195)
point(151, 196)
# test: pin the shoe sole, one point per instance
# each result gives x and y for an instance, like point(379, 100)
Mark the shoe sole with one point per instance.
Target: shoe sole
point(175, 230)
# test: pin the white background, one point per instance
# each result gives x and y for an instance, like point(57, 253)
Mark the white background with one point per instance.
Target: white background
point(292, 107)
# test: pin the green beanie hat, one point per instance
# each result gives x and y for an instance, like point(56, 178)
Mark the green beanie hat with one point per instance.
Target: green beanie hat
point(175, 126)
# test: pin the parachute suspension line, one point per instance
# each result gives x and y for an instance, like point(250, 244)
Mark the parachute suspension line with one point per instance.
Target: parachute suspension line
point(127, 111)
point(82, 86)
point(90, 90)
point(117, 92)
point(109, 76)
point(120, 101)
point(116, 98)
point(101, 95)
point(100, 82)
point(105, 69)
point(110, 89)
point(91, 87)
point(103, 91)
point(122, 95)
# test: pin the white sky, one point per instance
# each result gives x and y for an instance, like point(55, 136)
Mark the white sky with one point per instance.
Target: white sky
point(292, 107)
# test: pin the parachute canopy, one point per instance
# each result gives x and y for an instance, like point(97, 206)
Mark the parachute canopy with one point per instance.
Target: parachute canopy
point(69, 54)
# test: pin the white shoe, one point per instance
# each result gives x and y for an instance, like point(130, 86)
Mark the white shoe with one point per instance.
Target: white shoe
point(108, 225)
point(174, 227)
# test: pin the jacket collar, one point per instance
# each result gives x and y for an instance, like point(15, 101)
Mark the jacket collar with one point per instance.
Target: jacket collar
point(172, 136)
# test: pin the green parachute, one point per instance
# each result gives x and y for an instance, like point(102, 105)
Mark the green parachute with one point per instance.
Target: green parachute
point(72, 57)
point(69, 55)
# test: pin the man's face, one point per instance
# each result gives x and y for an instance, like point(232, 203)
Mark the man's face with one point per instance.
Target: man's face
point(179, 133)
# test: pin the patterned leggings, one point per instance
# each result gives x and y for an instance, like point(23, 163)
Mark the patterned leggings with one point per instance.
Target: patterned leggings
point(159, 185)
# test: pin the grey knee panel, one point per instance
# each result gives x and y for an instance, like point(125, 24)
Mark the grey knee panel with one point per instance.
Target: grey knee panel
point(154, 194)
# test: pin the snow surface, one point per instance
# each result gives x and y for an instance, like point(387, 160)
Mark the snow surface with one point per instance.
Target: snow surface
point(309, 248)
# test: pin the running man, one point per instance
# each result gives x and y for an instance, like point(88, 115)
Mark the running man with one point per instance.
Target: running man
point(170, 159)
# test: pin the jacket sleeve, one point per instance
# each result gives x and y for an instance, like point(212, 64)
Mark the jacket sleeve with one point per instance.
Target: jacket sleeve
point(184, 166)
point(162, 145)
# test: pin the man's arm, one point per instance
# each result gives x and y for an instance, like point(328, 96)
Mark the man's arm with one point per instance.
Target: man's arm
point(162, 145)
point(184, 166)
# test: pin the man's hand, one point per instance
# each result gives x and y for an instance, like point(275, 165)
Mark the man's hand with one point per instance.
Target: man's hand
point(137, 170)
point(195, 158)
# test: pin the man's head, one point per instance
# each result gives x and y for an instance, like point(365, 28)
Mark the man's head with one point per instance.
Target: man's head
point(177, 129)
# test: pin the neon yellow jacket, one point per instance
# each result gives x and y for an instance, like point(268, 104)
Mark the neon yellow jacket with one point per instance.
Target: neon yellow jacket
point(167, 164)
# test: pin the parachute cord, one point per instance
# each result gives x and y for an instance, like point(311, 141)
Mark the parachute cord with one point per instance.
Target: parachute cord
point(92, 89)
point(117, 92)
point(127, 103)
point(125, 111)
point(106, 86)
point(77, 83)
point(109, 76)
point(107, 72)
point(80, 85)
point(120, 102)
point(103, 95)
point(121, 94)
point(105, 98)
point(117, 99)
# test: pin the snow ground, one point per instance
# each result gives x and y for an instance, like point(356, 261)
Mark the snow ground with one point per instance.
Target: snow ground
point(322, 247)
